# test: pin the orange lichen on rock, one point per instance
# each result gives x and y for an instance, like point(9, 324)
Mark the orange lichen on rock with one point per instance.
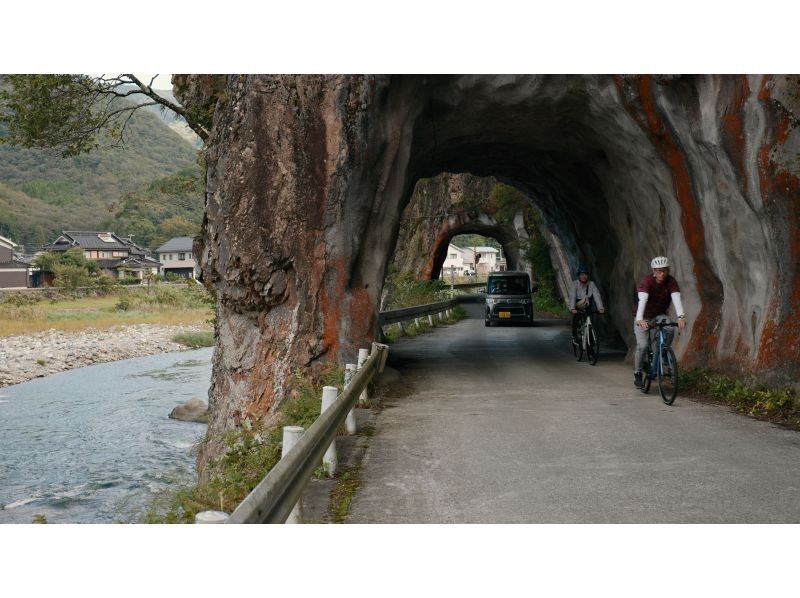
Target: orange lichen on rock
point(331, 304)
point(704, 339)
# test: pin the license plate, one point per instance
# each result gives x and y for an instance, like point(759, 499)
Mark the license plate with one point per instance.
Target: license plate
point(505, 314)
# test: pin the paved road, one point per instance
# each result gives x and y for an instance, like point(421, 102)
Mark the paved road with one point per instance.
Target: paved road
point(501, 425)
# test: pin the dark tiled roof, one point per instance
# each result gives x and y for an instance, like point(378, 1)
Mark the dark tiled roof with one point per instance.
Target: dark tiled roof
point(177, 244)
point(88, 240)
point(108, 264)
point(15, 263)
point(141, 262)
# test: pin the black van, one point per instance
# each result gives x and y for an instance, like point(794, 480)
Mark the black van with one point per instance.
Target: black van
point(509, 298)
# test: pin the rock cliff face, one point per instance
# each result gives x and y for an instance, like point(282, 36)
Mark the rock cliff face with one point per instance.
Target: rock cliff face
point(308, 177)
point(448, 205)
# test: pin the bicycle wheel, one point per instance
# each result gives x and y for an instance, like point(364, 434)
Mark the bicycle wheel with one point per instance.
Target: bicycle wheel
point(592, 347)
point(668, 376)
point(646, 373)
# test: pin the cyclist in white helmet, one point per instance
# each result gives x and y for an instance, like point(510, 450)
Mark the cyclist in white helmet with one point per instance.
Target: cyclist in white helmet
point(655, 293)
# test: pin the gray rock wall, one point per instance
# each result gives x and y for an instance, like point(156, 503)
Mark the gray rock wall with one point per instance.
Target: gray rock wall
point(308, 177)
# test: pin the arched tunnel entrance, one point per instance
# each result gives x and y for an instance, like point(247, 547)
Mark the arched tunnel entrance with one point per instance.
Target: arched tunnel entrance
point(308, 178)
point(447, 206)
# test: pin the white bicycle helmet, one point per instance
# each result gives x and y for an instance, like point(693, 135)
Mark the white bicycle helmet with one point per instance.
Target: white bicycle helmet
point(660, 262)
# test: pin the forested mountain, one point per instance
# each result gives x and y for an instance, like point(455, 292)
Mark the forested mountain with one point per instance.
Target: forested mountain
point(42, 193)
point(169, 207)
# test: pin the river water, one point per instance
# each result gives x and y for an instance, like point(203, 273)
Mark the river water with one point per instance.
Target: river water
point(94, 444)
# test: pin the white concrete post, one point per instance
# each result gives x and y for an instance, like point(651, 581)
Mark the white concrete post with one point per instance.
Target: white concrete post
point(329, 461)
point(211, 517)
point(384, 357)
point(350, 422)
point(440, 316)
point(291, 436)
point(416, 321)
point(430, 319)
point(403, 329)
point(363, 355)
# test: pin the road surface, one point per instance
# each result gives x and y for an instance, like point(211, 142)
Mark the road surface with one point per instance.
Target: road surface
point(501, 425)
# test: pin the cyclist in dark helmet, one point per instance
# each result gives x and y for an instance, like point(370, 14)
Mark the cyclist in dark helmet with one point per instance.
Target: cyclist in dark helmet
point(655, 293)
point(581, 293)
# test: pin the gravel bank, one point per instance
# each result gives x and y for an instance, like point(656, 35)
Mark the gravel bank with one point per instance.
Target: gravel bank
point(25, 357)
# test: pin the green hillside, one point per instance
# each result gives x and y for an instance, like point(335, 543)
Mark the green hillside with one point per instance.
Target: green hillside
point(42, 193)
point(169, 207)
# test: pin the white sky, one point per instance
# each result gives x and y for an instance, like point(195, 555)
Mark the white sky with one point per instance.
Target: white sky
point(416, 36)
point(161, 82)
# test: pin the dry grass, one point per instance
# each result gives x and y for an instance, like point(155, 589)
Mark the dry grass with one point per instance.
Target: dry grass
point(91, 312)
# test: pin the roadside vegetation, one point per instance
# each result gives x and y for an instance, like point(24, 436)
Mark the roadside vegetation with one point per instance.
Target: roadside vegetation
point(252, 451)
point(403, 289)
point(547, 298)
point(393, 332)
point(195, 340)
point(777, 404)
point(27, 313)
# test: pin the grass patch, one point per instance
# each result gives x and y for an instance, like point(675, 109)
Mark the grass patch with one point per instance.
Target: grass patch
point(775, 404)
point(252, 450)
point(393, 332)
point(195, 340)
point(24, 315)
point(347, 482)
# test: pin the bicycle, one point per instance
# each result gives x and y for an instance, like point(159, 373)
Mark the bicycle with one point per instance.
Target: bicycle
point(661, 364)
point(587, 340)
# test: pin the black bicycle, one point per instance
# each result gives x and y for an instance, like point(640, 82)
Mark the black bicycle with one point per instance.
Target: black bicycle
point(587, 340)
point(660, 363)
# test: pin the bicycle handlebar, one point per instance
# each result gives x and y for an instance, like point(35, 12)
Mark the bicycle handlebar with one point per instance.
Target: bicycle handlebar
point(656, 324)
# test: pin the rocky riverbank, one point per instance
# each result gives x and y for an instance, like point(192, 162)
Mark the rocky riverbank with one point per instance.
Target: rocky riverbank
point(25, 357)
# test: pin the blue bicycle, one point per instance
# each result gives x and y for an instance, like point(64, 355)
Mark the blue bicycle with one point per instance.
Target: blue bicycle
point(660, 363)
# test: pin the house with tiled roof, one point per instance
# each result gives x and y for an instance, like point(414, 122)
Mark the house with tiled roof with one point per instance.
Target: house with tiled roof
point(176, 257)
point(119, 257)
point(15, 271)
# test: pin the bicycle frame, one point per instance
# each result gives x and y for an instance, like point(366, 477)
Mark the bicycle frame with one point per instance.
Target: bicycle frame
point(586, 326)
point(660, 341)
point(667, 378)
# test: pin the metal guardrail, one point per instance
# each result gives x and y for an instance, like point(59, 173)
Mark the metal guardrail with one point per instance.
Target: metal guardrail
point(276, 495)
point(403, 314)
point(468, 285)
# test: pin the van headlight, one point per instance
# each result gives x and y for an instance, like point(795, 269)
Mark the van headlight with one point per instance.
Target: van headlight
point(526, 302)
point(491, 301)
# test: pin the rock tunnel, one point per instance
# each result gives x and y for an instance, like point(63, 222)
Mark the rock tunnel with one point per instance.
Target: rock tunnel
point(308, 176)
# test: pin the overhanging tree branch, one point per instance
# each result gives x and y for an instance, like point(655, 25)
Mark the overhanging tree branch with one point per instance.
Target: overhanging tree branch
point(70, 112)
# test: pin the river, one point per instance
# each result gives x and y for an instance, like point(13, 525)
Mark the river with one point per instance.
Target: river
point(95, 445)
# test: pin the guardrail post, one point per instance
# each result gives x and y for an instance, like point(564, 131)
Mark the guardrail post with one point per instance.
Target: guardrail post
point(291, 436)
point(385, 349)
point(430, 320)
point(403, 329)
point(211, 517)
point(363, 354)
point(329, 461)
point(416, 321)
point(350, 422)
point(440, 316)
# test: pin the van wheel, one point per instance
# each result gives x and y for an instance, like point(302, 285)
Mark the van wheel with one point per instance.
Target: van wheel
point(487, 323)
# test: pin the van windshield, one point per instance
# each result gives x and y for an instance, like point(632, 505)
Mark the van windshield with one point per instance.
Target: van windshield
point(507, 285)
